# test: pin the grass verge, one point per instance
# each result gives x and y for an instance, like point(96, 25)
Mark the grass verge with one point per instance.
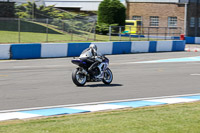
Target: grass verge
point(177, 118)
point(35, 32)
point(33, 37)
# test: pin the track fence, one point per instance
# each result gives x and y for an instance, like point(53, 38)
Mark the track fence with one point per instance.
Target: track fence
point(122, 33)
point(15, 30)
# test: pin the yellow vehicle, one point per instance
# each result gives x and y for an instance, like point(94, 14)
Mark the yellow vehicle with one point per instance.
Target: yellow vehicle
point(133, 27)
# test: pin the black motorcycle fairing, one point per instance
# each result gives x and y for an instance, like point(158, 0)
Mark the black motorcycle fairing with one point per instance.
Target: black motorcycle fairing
point(78, 62)
point(88, 64)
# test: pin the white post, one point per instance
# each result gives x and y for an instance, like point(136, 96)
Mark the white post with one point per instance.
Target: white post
point(185, 19)
point(47, 29)
point(19, 30)
point(110, 30)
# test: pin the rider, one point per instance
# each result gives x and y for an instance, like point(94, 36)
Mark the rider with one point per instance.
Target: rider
point(91, 55)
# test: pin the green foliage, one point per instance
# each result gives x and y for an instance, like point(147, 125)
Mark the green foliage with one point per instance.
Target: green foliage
point(118, 12)
point(30, 10)
point(110, 12)
point(103, 12)
point(25, 10)
point(103, 28)
point(26, 26)
point(65, 21)
point(7, 9)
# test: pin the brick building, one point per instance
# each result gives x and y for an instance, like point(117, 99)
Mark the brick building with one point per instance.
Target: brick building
point(167, 13)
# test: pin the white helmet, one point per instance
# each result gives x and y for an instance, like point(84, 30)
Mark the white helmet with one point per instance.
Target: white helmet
point(93, 46)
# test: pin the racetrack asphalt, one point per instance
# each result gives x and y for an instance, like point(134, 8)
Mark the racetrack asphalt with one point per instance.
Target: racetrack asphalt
point(47, 82)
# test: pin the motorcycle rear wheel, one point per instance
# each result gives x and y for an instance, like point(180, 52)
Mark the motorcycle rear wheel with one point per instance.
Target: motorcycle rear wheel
point(78, 78)
point(108, 76)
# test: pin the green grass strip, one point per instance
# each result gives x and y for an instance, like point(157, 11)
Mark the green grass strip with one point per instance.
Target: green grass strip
point(33, 37)
point(177, 118)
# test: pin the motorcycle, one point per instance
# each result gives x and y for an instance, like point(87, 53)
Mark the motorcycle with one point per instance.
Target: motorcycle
point(101, 72)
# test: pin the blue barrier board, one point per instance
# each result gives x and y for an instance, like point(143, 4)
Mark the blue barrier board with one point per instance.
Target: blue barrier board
point(121, 47)
point(178, 46)
point(128, 35)
point(190, 40)
point(25, 51)
point(175, 38)
point(152, 46)
point(75, 49)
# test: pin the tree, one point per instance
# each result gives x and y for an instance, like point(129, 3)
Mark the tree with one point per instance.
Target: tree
point(118, 12)
point(30, 10)
point(110, 12)
point(26, 10)
point(7, 9)
point(103, 15)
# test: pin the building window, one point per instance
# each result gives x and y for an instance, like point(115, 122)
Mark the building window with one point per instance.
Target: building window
point(172, 21)
point(137, 17)
point(154, 21)
point(199, 22)
point(192, 21)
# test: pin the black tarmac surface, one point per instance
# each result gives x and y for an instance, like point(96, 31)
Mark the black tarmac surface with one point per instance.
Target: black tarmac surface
point(47, 82)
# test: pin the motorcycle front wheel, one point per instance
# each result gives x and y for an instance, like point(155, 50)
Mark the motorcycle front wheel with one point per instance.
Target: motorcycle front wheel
point(108, 76)
point(78, 78)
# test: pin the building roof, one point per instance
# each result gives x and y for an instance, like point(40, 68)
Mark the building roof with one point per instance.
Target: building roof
point(160, 1)
point(83, 5)
point(38, 2)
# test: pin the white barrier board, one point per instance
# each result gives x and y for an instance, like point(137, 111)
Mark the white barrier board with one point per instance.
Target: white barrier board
point(4, 51)
point(164, 46)
point(140, 46)
point(104, 47)
point(54, 49)
point(197, 40)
